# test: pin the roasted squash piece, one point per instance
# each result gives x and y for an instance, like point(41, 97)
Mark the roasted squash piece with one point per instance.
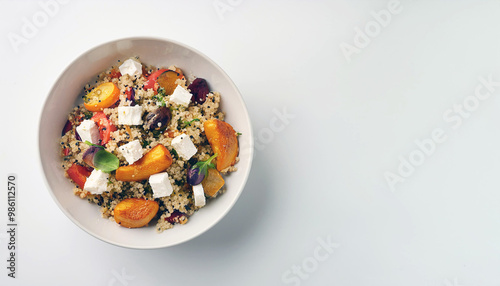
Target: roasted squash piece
point(212, 182)
point(102, 97)
point(167, 80)
point(156, 160)
point(134, 212)
point(223, 140)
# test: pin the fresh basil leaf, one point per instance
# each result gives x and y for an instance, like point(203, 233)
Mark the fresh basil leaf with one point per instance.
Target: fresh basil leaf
point(91, 144)
point(105, 161)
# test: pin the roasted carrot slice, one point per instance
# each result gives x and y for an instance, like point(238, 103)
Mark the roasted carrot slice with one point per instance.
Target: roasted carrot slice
point(156, 160)
point(223, 140)
point(212, 182)
point(134, 212)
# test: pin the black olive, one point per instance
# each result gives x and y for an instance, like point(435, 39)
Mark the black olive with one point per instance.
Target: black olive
point(158, 119)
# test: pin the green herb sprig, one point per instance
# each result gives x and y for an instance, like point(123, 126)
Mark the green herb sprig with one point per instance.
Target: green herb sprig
point(188, 123)
point(103, 160)
point(160, 97)
point(204, 165)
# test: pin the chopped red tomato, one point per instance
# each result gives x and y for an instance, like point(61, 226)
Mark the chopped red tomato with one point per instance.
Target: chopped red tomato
point(66, 151)
point(105, 126)
point(150, 83)
point(78, 174)
point(115, 73)
point(130, 93)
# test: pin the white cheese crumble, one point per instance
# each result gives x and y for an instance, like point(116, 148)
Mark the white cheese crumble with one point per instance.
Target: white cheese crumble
point(161, 185)
point(199, 195)
point(97, 182)
point(181, 96)
point(131, 67)
point(88, 131)
point(130, 115)
point(184, 146)
point(132, 151)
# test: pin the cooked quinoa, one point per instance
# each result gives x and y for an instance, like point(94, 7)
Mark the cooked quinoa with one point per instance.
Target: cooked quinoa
point(177, 207)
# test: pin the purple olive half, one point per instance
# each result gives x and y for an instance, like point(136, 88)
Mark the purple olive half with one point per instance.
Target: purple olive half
point(158, 119)
point(131, 96)
point(199, 89)
point(88, 156)
point(67, 127)
point(194, 177)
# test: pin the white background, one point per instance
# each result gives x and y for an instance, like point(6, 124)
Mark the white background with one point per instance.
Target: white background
point(320, 178)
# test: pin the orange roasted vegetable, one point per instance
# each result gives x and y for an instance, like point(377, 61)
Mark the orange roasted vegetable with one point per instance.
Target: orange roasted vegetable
point(223, 140)
point(134, 212)
point(212, 182)
point(101, 97)
point(156, 160)
point(167, 80)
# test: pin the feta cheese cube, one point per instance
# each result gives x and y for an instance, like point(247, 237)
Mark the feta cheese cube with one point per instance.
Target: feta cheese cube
point(181, 96)
point(130, 115)
point(131, 67)
point(97, 182)
point(161, 185)
point(132, 151)
point(199, 195)
point(184, 146)
point(88, 131)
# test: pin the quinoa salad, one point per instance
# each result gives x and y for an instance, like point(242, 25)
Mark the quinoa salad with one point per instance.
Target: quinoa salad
point(148, 145)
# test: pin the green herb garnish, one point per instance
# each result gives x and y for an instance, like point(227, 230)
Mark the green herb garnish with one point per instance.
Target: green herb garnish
point(174, 153)
point(188, 123)
point(160, 99)
point(103, 160)
point(161, 96)
point(156, 133)
point(145, 143)
point(92, 144)
point(238, 133)
point(204, 165)
point(88, 115)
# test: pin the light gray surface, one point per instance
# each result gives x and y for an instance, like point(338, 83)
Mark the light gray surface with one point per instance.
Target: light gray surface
point(321, 175)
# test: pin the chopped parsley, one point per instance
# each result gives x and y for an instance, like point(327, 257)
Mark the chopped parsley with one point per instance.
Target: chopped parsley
point(188, 123)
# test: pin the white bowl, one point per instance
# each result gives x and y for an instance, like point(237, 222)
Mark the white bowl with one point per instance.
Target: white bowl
point(65, 95)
